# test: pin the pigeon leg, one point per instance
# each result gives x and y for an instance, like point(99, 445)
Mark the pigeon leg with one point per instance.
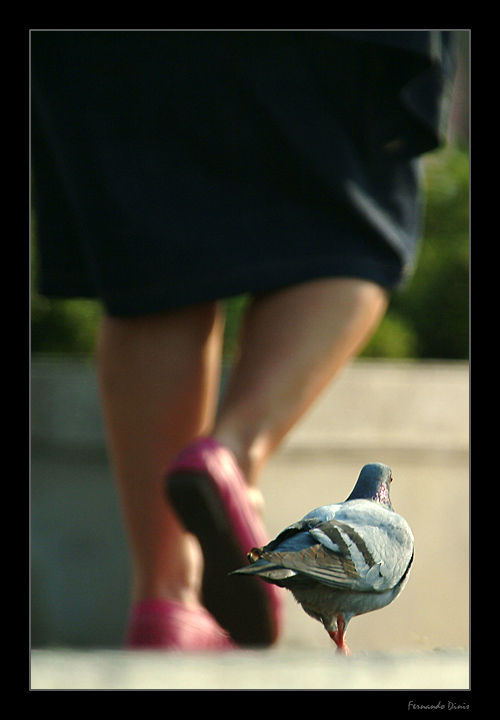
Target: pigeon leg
point(338, 636)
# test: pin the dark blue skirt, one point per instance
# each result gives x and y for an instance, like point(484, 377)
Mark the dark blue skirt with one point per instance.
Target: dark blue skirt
point(173, 168)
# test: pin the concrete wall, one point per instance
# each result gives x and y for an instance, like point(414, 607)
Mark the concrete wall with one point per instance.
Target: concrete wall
point(402, 403)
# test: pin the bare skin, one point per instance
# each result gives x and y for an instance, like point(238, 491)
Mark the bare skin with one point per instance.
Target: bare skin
point(159, 384)
point(294, 343)
point(338, 637)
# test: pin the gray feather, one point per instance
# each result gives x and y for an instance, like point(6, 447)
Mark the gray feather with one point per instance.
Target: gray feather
point(343, 559)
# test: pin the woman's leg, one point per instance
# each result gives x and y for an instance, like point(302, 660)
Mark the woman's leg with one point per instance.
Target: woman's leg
point(294, 342)
point(159, 384)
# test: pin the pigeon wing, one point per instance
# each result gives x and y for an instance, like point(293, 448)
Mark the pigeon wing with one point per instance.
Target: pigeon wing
point(350, 555)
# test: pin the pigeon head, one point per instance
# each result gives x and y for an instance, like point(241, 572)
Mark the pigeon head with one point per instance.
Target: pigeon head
point(373, 484)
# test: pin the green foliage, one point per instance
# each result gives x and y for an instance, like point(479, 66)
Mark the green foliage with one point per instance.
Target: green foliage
point(60, 326)
point(395, 338)
point(64, 326)
point(428, 319)
point(235, 311)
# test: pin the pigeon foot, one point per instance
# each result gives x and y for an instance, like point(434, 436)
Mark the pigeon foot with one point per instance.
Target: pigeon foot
point(338, 636)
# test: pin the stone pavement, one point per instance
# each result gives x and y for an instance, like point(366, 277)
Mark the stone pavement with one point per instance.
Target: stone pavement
point(250, 670)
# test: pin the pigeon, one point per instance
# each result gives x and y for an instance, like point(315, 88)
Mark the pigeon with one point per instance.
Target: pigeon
point(342, 560)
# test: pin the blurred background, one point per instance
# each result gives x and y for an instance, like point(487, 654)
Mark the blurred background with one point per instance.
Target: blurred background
point(405, 401)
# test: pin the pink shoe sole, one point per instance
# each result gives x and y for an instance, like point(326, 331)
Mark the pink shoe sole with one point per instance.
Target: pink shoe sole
point(208, 491)
point(171, 625)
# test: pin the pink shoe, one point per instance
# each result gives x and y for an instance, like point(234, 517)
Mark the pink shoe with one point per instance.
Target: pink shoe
point(208, 491)
point(171, 625)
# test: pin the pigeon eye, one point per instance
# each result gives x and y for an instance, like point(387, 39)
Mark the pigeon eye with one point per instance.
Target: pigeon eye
point(390, 479)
